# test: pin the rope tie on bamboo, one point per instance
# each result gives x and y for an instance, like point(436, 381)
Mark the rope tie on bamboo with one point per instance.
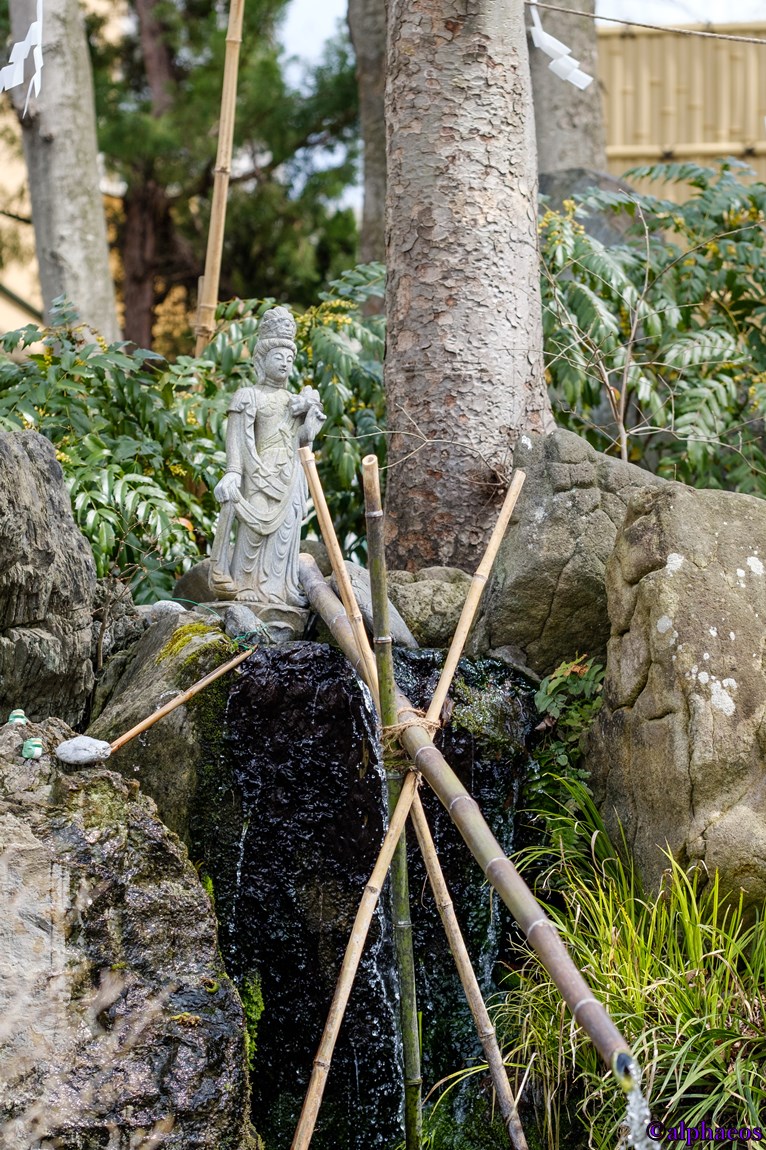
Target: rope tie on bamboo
point(393, 755)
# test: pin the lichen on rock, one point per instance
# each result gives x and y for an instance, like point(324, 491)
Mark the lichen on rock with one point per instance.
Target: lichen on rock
point(677, 751)
point(118, 1020)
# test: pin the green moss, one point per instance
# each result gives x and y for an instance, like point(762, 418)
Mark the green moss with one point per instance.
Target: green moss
point(252, 1004)
point(207, 884)
point(484, 712)
point(185, 634)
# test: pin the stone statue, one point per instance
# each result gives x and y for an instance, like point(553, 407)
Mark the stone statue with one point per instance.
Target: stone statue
point(263, 493)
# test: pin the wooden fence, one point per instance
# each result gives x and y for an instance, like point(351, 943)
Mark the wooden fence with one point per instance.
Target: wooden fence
point(671, 97)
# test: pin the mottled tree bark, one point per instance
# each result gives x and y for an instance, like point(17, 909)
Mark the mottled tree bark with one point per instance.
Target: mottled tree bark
point(569, 123)
point(59, 137)
point(367, 24)
point(464, 371)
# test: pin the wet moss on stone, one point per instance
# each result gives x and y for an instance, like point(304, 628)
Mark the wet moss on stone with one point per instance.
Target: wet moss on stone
point(184, 635)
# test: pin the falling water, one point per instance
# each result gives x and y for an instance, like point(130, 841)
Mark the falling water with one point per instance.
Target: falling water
point(302, 745)
point(638, 1117)
point(300, 814)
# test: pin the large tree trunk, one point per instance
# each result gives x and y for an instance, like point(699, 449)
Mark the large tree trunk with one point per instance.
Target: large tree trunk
point(367, 24)
point(147, 210)
point(464, 371)
point(146, 220)
point(59, 135)
point(569, 122)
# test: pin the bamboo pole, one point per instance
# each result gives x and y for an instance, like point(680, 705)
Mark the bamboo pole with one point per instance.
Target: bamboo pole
point(499, 870)
point(208, 290)
point(339, 570)
point(478, 584)
point(400, 893)
point(321, 1068)
point(179, 700)
point(471, 988)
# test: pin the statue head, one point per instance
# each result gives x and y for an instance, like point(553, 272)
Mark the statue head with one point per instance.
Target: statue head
point(277, 332)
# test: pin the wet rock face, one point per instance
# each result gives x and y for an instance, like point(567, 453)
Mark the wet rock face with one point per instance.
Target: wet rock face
point(546, 598)
point(301, 746)
point(677, 751)
point(47, 581)
point(170, 655)
point(300, 741)
point(117, 1022)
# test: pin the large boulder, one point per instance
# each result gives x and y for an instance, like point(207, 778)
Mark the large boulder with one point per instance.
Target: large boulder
point(546, 598)
point(47, 581)
point(172, 654)
point(677, 753)
point(118, 1024)
point(430, 601)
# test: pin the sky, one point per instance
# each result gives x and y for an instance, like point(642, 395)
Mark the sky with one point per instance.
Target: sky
point(309, 22)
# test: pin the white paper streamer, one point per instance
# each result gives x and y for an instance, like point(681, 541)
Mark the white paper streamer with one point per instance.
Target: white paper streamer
point(562, 63)
point(12, 75)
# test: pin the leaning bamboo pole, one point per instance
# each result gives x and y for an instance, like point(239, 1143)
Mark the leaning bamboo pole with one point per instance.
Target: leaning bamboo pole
point(541, 933)
point(179, 700)
point(484, 1028)
point(352, 957)
point(208, 287)
point(478, 583)
point(400, 894)
point(339, 570)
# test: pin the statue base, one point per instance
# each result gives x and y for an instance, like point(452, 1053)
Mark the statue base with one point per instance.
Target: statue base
point(282, 623)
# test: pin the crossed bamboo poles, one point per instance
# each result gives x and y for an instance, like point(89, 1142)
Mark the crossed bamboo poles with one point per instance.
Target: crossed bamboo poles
point(348, 629)
point(346, 625)
point(412, 729)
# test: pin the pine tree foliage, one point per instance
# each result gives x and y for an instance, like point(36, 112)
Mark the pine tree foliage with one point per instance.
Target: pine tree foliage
point(158, 93)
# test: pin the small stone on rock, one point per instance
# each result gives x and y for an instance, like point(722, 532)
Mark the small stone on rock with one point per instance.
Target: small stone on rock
point(83, 751)
point(164, 607)
point(240, 621)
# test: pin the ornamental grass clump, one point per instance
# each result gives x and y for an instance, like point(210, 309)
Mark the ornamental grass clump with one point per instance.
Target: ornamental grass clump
point(682, 974)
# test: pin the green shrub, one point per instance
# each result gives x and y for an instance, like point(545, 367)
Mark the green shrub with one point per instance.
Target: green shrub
point(141, 440)
point(682, 974)
point(656, 346)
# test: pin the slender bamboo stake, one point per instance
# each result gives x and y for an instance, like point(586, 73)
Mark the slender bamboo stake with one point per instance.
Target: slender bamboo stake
point(179, 700)
point(313, 1099)
point(208, 290)
point(339, 570)
point(471, 988)
point(400, 893)
point(500, 871)
point(472, 600)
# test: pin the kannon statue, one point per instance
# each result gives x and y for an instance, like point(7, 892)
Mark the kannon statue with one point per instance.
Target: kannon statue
point(263, 493)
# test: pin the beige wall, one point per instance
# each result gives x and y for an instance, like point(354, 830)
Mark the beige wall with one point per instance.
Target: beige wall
point(18, 276)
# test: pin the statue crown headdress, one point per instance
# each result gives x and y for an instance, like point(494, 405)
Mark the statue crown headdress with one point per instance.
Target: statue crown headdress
point(277, 329)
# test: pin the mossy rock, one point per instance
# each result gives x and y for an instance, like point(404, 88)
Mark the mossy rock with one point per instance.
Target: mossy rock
point(120, 1022)
point(166, 759)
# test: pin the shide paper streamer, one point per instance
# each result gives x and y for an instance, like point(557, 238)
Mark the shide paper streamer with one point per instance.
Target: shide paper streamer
point(12, 75)
point(562, 63)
